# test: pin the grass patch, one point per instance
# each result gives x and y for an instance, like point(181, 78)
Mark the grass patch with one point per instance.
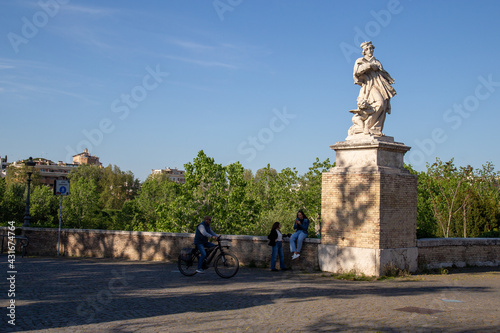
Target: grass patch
point(352, 275)
point(432, 271)
point(391, 270)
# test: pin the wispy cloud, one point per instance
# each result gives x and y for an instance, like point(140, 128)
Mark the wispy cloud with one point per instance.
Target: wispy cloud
point(9, 63)
point(204, 63)
point(213, 54)
point(192, 46)
point(27, 79)
point(89, 36)
point(87, 10)
point(28, 91)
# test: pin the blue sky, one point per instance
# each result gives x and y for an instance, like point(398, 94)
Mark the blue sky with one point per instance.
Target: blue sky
point(146, 85)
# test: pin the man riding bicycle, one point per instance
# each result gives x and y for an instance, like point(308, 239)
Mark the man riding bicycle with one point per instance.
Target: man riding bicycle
point(203, 233)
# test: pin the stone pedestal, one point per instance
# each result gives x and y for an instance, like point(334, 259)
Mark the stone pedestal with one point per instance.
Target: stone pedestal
point(368, 208)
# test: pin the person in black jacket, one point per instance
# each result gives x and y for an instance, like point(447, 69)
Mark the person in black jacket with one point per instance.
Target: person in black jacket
point(276, 241)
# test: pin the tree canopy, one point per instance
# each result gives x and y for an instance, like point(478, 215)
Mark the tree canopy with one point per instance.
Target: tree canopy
point(452, 201)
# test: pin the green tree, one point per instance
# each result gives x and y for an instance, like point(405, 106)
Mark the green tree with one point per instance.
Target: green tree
point(81, 208)
point(241, 209)
point(19, 174)
point(168, 191)
point(204, 192)
point(152, 203)
point(92, 173)
point(426, 222)
point(44, 207)
point(448, 191)
point(482, 212)
point(265, 187)
point(128, 218)
point(116, 187)
point(310, 192)
point(3, 188)
point(277, 196)
point(248, 175)
point(222, 192)
point(13, 203)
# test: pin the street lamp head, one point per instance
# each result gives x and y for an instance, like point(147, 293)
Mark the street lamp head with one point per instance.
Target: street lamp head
point(30, 162)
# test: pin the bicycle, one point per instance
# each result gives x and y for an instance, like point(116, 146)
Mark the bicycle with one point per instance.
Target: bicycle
point(226, 264)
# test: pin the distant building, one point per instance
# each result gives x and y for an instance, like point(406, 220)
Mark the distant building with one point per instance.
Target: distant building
point(3, 166)
point(50, 171)
point(174, 175)
point(86, 158)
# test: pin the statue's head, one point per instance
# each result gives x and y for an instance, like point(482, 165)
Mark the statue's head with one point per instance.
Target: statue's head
point(367, 46)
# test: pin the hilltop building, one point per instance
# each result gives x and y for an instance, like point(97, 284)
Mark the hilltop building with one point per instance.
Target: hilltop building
point(86, 158)
point(50, 171)
point(174, 174)
point(3, 166)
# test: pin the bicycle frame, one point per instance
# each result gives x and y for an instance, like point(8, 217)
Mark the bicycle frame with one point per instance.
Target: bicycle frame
point(212, 252)
point(225, 263)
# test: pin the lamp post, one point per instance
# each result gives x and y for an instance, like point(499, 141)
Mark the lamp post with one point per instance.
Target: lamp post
point(27, 216)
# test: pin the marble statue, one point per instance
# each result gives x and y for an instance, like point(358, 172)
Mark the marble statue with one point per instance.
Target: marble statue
point(374, 100)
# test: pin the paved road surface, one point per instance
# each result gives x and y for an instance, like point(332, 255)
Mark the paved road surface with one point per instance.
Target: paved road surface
point(100, 295)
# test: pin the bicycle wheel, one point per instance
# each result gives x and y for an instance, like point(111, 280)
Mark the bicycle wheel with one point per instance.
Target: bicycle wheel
point(188, 268)
point(226, 265)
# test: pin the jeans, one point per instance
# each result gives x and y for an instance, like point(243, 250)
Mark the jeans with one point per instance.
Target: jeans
point(278, 251)
point(201, 248)
point(298, 236)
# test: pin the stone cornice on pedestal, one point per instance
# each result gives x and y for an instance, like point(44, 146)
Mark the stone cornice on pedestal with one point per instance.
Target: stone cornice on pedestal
point(369, 154)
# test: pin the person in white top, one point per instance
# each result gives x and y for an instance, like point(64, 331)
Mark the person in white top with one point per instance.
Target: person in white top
point(276, 241)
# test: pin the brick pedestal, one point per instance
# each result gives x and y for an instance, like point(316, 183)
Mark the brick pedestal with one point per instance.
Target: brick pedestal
point(369, 209)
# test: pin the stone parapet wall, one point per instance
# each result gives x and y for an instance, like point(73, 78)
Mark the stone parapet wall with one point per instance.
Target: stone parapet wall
point(157, 246)
point(459, 252)
point(250, 250)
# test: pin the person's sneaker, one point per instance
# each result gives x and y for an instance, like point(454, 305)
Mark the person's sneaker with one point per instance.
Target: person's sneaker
point(274, 270)
point(295, 256)
point(201, 271)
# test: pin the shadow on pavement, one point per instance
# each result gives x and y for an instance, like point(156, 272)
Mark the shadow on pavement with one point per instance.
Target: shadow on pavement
point(62, 292)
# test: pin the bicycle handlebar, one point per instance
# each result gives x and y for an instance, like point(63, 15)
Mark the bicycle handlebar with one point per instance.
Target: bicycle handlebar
point(223, 239)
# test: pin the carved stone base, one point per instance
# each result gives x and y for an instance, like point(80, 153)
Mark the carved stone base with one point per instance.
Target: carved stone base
point(371, 262)
point(368, 208)
point(363, 152)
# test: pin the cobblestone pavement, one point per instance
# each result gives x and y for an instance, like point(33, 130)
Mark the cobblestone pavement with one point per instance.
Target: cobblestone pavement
point(100, 295)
